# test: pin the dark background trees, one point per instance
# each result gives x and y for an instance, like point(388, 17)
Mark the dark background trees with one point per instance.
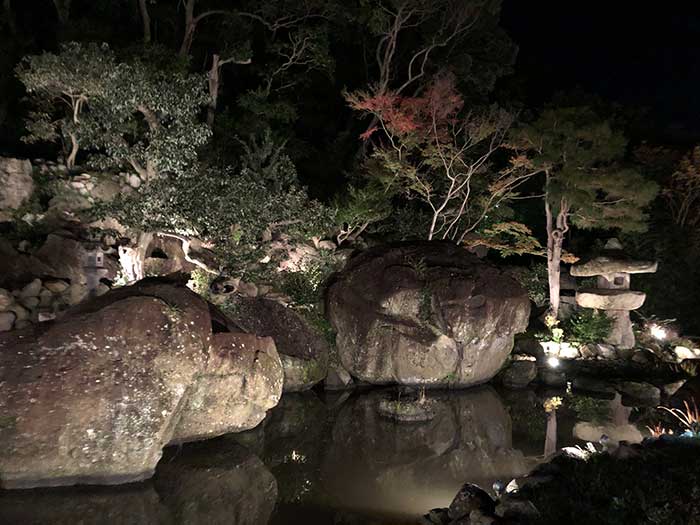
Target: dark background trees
point(228, 88)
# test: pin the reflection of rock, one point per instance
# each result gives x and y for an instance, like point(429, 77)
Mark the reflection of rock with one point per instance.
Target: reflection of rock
point(422, 465)
point(617, 429)
point(211, 483)
point(132, 505)
point(588, 431)
point(407, 411)
point(92, 399)
point(214, 483)
point(424, 313)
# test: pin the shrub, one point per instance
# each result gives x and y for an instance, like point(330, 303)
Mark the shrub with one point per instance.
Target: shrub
point(589, 326)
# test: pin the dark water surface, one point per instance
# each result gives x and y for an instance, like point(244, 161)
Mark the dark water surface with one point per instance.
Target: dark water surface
point(334, 459)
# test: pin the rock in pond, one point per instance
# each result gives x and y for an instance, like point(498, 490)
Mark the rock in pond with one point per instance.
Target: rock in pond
point(519, 374)
point(304, 351)
point(425, 313)
point(93, 398)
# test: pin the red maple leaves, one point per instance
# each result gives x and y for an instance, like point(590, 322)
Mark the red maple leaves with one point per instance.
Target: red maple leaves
point(430, 113)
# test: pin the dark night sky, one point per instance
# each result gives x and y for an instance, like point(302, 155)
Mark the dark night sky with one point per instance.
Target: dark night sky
point(621, 50)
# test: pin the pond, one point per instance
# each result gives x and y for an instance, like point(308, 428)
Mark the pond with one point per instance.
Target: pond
point(336, 458)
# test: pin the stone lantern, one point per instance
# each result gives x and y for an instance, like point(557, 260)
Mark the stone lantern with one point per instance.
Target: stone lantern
point(94, 269)
point(613, 294)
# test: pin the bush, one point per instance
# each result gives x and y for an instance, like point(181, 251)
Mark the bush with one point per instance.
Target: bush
point(589, 326)
point(534, 280)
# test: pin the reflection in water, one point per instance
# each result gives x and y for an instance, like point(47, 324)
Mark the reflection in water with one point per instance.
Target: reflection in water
point(617, 428)
point(336, 460)
point(416, 466)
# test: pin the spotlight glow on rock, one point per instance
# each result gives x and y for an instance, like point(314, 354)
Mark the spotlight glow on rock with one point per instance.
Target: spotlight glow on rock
point(553, 362)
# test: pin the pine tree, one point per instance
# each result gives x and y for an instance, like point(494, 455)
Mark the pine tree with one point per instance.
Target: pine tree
point(586, 183)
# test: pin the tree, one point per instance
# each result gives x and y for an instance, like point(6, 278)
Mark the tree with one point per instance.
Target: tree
point(433, 150)
point(143, 114)
point(682, 192)
point(413, 38)
point(61, 86)
point(586, 183)
point(236, 212)
point(149, 120)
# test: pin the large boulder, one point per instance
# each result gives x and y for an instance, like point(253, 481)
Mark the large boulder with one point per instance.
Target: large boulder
point(425, 314)
point(16, 185)
point(94, 397)
point(303, 350)
point(242, 380)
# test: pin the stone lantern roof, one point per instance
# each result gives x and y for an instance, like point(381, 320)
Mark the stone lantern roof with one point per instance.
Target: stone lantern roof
point(611, 262)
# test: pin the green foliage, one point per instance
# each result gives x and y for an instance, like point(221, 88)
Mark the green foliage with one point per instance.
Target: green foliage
point(589, 326)
point(305, 287)
point(234, 210)
point(141, 114)
point(589, 408)
point(582, 154)
point(534, 280)
point(360, 207)
point(507, 238)
point(61, 86)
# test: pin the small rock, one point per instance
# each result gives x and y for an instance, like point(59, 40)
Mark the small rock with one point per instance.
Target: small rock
point(643, 357)
point(436, 517)
point(20, 312)
point(683, 353)
point(75, 294)
point(46, 316)
point(625, 451)
point(134, 181)
point(337, 378)
point(22, 324)
point(7, 320)
point(32, 289)
point(569, 351)
point(45, 298)
point(56, 286)
point(519, 374)
point(640, 391)
point(469, 498)
point(477, 517)
point(606, 351)
point(671, 388)
point(6, 299)
point(327, 245)
point(512, 506)
point(247, 289)
point(30, 302)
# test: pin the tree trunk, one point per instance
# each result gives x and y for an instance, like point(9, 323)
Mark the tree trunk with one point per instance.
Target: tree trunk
point(70, 161)
point(550, 440)
point(146, 20)
point(556, 228)
point(190, 27)
point(63, 10)
point(9, 16)
point(213, 80)
point(133, 258)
